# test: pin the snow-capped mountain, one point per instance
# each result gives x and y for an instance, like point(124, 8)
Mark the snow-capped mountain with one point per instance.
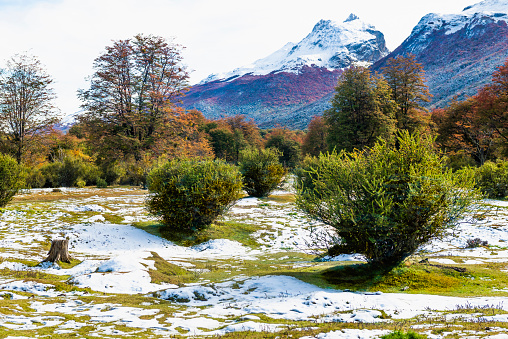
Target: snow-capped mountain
point(459, 52)
point(288, 82)
point(331, 44)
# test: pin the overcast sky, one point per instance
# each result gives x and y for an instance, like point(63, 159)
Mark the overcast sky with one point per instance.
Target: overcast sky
point(218, 35)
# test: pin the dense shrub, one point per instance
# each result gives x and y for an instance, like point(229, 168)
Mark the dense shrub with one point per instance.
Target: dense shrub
point(11, 178)
point(34, 178)
point(261, 170)
point(69, 172)
point(290, 150)
point(189, 195)
point(402, 335)
point(476, 242)
point(113, 171)
point(492, 179)
point(101, 183)
point(386, 201)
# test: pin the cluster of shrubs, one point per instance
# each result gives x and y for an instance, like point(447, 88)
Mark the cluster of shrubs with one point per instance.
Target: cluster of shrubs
point(71, 171)
point(188, 195)
point(384, 202)
point(492, 179)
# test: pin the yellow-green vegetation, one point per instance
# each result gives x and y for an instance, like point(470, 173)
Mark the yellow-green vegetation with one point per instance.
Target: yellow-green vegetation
point(261, 170)
point(166, 272)
point(232, 230)
point(188, 195)
point(477, 280)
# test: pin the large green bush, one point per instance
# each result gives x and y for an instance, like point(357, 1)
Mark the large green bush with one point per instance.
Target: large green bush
point(492, 179)
point(261, 170)
point(69, 172)
point(387, 201)
point(189, 195)
point(11, 178)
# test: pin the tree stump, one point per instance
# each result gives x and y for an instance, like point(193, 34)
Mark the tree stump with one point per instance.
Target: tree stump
point(59, 251)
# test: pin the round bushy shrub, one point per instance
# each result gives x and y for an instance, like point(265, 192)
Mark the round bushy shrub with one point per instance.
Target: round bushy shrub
point(261, 170)
point(70, 172)
point(387, 201)
point(188, 195)
point(492, 179)
point(11, 178)
point(101, 183)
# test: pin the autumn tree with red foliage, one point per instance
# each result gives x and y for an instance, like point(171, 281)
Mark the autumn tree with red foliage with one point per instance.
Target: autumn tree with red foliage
point(132, 96)
point(460, 128)
point(314, 142)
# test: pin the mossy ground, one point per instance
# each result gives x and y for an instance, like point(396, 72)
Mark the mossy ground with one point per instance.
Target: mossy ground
point(488, 279)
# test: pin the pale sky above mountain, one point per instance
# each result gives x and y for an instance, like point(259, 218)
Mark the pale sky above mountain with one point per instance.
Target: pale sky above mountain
point(219, 35)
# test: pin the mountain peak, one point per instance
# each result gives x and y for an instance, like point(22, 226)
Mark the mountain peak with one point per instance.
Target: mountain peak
point(351, 17)
point(493, 6)
point(331, 44)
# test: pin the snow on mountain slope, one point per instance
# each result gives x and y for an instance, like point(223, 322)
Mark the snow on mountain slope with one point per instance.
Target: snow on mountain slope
point(482, 13)
point(459, 52)
point(331, 44)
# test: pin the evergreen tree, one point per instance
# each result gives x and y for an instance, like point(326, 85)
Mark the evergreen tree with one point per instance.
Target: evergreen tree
point(362, 111)
point(406, 78)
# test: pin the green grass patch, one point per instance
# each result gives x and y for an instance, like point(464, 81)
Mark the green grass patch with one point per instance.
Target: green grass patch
point(477, 280)
point(169, 273)
point(232, 230)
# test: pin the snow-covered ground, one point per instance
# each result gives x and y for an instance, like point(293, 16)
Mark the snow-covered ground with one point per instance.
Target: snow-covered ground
point(115, 290)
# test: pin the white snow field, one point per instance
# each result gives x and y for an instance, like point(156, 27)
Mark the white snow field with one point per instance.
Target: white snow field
point(111, 289)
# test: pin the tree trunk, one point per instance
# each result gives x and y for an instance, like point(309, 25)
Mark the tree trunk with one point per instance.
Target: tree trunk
point(59, 251)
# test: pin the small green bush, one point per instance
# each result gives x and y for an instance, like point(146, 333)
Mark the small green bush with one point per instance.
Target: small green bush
point(387, 201)
point(80, 183)
point(12, 178)
point(402, 335)
point(188, 195)
point(101, 183)
point(261, 170)
point(492, 179)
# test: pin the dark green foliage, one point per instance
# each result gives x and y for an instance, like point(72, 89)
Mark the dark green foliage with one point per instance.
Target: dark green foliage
point(34, 178)
point(492, 179)
point(69, 172)
point(289, 149)
point(261, 170)
point(11, 178)
point(189, 195)
point(386, 201)
point(101, 183)
point(402, 335)
point(362, 111)
point(113, 171)
point(226, 144)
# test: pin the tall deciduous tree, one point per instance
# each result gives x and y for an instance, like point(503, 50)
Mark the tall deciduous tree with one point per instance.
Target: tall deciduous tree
point(26, 103)
point(314, 142)
point(134, 84)
point(406, 78)
point(460, 129)
point(362, 111)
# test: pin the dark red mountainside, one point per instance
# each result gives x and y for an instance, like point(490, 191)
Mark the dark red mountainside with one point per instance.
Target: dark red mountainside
point(294, 83)
point(268, 99)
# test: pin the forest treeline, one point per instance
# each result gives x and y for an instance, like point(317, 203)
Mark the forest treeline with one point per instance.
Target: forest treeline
point(131, 120)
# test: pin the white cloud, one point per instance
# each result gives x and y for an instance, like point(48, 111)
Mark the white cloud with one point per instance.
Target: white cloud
point(218, 35)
